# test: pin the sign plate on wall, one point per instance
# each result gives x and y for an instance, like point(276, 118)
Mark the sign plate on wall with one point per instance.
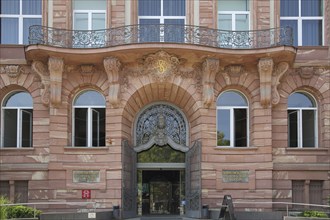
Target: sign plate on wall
point(86, 194)
point(235, 176)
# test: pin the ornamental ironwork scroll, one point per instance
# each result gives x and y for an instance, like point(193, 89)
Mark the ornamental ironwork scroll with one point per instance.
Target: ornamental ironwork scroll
point(147, 125)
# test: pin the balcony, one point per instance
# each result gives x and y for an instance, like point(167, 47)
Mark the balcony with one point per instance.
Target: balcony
point(160, 33)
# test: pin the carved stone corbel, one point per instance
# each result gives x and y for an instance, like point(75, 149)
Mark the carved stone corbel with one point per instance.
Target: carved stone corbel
point(39, 68)
point(265, 68)
point(112, 67)
point(55, 67)
point(281, 68)
point(210, 69)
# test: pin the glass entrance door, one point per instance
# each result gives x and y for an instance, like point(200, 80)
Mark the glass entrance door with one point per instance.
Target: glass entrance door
point(160, 192)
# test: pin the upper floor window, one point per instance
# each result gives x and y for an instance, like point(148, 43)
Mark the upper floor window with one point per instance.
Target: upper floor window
point(15, 19)
point(302, 120)
point(89, 15)
point(233, 15)
point(153, 13)
point(17, 112)
point(89, 119)
point(306, 19)
point(232, 120)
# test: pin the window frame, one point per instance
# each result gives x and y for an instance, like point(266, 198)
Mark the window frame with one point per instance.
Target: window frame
point(90, 108)
point(20, 18)
point(233, 16)
point(19, 125)
point(300, 20)
point(90, 14)
point(232, 120)
point(300, 121)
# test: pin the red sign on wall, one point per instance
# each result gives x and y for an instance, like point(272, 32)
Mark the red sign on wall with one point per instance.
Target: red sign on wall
point(86, 194)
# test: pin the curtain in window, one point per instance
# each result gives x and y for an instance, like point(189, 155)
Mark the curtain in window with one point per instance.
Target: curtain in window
point(148, 31)
point(31, 7)
point(311, 8)
point(312, 32)
point(174, 30)
point(27, 22)
point(10, 7)
point(149, 7)
point(9, 30)
point(294, 25)
point(174, 7)
point(289, 8)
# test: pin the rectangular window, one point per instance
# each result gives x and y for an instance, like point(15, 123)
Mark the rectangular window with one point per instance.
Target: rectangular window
point(16, 17)
point(98, 129)
point(240, 124)
point(10, 123)
point(153, 14)
point(306, 19)
point(81, 127)
point(233, 15)
point(298, 192)
point(293, 128)
point(5, 189)
point(21, 192)
point(315, 192)
point(308, 130)
point(223, 127)
point(89, 15)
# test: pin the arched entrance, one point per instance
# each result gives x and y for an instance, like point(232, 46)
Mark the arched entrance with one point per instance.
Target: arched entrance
point(161, 171)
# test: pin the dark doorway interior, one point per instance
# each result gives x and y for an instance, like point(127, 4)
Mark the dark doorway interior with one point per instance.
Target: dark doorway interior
point(160, 191)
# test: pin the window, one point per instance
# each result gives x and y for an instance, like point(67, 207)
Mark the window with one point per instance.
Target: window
point(233, 15)
point(15, 19)
point(21, 191)
point(89, 119)
point(17, 120)
point(89, 15)
point(306, 19)
point(298, 192)
point(4, 189)
point(315, 191)
point(304, 189)
point(232, 120)
point(302, 120)
point(171, 13)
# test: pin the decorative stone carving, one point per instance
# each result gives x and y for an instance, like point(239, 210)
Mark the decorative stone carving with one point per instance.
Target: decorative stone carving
point(265, 68)
point(112, 67)
point(41, 70)
point(235, 70)
point(160, 65)
point(281, 68)
point(87, 69)
point(13, 71)
point(55, 67)
point(306, 72)
point(210, 69)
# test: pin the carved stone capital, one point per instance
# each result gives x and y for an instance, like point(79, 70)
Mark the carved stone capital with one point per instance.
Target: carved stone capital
point(112, 67)
point(209, 70)
point(265, 68)
point(55, 67)
point(280, 70)
point(41, 70)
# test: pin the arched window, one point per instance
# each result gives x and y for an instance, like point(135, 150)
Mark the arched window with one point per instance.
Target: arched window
point(232, 120)
point(89, 119)
point(17, 112)
point(302, 120)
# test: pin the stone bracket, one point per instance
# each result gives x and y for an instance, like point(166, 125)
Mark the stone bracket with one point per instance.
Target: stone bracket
point(209, 69)
point(112, 67)
point(55, 68)
point(41, 69)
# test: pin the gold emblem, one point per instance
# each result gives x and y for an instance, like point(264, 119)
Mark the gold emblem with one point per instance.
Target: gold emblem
point(162, 66)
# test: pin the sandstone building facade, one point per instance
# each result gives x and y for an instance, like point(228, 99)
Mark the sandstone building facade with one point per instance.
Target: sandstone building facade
point(144, 104)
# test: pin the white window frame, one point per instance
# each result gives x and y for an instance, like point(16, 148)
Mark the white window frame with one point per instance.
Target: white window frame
point(300, 20)
point(18, 125)
point(299, 121)
point(89, 131)
point(232, 120)
point(20, 17)
point(90, 14)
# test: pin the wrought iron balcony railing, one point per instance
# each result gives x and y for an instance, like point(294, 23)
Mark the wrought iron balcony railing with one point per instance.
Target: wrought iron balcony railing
point(161, 33)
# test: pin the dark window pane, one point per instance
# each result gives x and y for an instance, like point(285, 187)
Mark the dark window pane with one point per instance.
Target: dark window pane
point(10, 128)
point(21, 191)
point(20, 99)
point(240, 128)
point(300, 100)
point(149, 7)
point(315, 192)
point(231, 99)
point(4, 189)
point(293, 24)
point(174, 7)
point(293, 128)
point(308, 128)
point(312, 32)
point(174, 30)
point(149, 30)
point(27, 128)
point(298, 192)
point(223, 127)
point(10, 7)
point(80, 136)
point(164, 154)
point(90, 98)
point(311, 8)
point(9, 31)
point(31, 7)
point(289, 8)
point(27, 22)
point(98, 127)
